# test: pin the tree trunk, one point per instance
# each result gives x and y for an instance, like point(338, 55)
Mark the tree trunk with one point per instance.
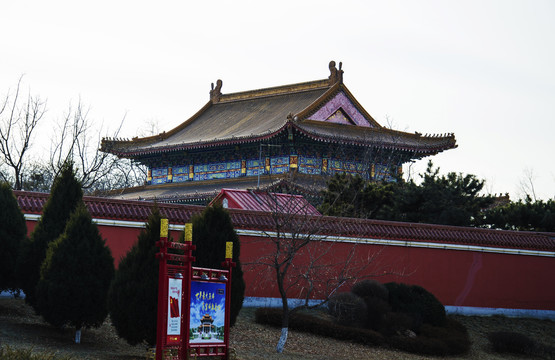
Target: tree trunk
point(282, 340)
point(285, 306)
point(78, 336)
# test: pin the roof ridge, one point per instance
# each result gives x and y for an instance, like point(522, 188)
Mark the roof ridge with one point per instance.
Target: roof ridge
point(275, 90)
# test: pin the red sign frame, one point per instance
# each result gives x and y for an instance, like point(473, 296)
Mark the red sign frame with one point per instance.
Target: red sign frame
point(176, 266)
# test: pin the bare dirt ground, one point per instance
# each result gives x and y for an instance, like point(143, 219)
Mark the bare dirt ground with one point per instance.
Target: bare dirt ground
point(21, 328)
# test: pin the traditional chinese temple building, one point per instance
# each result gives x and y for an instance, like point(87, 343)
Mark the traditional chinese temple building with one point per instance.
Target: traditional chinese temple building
point(286, 138)
point(206, 325)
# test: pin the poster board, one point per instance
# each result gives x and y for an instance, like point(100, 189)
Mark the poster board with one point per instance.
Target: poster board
point(207, 312)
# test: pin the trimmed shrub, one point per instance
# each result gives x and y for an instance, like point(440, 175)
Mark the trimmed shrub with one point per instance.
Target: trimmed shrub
point(511, 342)
point(318, 326)
point(453, 334)
point(348, 309)
point(76, 275)
point(12, 233)
point(417, 302)
point(376, 312)
point(419, 345)
point(438, 341)
point(133, 295)
point(65, 195)
point(545, 351)
point(211, 230)
point(370, 288)
point(398, 323)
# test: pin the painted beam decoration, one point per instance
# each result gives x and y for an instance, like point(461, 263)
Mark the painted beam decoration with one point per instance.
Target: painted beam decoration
point(271, 165)
point(207, 312)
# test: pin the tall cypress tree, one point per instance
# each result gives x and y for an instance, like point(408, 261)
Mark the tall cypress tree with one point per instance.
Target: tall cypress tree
point(66, 193)
point(211, 230)
point(133, 296)
point(12, 233)
point(76, 275)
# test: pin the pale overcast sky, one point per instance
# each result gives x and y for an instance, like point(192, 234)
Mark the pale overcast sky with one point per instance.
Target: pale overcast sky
point(484, 70)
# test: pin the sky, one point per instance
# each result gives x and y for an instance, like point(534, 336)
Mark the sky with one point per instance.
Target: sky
point(483, 70)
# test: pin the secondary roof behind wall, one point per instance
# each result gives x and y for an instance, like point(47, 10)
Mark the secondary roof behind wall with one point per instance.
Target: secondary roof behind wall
point(264, 201)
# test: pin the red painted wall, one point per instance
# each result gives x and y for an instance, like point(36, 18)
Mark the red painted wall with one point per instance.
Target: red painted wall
point(460, 278)
point(119, 239)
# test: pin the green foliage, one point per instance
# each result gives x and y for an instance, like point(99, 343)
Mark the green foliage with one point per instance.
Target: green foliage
point(416, 302)
point(7, 353)
point(451, 199)
point(352, 196)
point(319, 326)
point(76, 275)
point(395, 323)
point(377, 310)
point(451, 339)
point(133, 295)
point(13, 231)
point(211, 230)
point(370, 288)
point(375, 295)
point(347, 309)
point(511, 342)
point(65, 195)
point(523, 215)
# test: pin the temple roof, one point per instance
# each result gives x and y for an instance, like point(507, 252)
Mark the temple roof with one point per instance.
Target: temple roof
point(324, 110)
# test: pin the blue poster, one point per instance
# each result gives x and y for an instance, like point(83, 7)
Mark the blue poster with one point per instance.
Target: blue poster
point(207, 319)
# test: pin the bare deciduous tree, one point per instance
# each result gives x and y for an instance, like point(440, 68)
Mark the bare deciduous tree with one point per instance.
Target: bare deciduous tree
point(78, 141)
point(18, 120)
point(297, 258)
point(527, 184)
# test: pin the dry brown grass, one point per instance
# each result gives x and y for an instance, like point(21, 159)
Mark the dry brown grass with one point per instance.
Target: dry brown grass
point(21, 328)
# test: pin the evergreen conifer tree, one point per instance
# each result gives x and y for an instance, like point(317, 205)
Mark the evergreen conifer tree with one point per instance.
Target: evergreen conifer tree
point(12, 233)
point(211, 230)
point(133, 296)
point(65, 194)
point(76, 276)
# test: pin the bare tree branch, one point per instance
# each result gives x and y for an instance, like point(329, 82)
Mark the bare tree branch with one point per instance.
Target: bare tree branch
point(78, 141)
point(18, 122)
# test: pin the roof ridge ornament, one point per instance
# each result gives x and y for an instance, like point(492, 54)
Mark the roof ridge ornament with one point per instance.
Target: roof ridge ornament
point(336, 75)
point(216, 93)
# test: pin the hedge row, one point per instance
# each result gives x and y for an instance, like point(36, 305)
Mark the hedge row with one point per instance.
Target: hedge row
point(450, 339)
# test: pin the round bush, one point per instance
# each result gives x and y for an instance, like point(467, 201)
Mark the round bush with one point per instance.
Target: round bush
point(376, 309)
point(511, 342)
point(347, 309)
point(370, 288)
point(417, 302)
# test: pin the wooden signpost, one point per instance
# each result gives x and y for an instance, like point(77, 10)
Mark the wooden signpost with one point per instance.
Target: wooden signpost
point(193, 303)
